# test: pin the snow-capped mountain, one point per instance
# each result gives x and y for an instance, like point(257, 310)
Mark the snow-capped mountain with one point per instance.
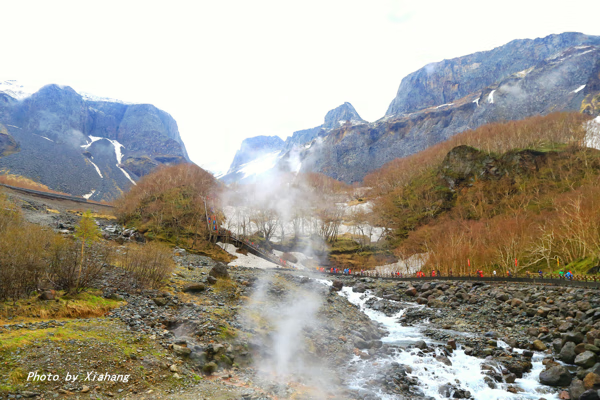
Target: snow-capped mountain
point(80, 144)
point(523, 78)
point(261, 154)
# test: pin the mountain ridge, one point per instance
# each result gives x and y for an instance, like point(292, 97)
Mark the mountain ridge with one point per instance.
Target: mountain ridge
point(56, 126)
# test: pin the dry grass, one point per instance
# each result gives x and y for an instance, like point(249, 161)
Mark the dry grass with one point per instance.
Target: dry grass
point(84, 305)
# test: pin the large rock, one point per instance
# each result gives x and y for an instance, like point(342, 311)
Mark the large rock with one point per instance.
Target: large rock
point(193, 287)
point(556, 376)
point(576, 389)
point(586, 359)
point(219, 271)
point(591, 381)
point(337, 285)
point(538, 345)
point(48, 295)
point(591, 394)
point(567, 353)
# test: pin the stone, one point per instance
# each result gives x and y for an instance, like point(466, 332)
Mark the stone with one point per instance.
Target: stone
point(219, 271)
point(533, 331)
point(160, 301)
point(565, 326)
point(209, 368)
point(85, 389)
point(452, 344)
point(173, 368)
point(181, 350)
point(516, 302)
point(589, 395)
point(211, 280)
point(539, 345)
point(194, 287)
point(556, 376)
point(510, 378)
point(337, 285)
point(48, 295)
point(567, 353)
point(564, 395)
point(411, 291)
point(576, 389)
point(586, 359)
point(591, 381)
point(502, 296)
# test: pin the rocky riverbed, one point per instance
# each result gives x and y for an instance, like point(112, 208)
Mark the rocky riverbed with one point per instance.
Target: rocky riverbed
point(549, 335)
point(218, 332)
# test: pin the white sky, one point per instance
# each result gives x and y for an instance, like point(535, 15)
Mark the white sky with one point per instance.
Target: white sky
point(228, 70)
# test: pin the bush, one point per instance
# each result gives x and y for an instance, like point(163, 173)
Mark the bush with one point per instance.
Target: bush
point(150, 264)
point(70, 269)
point(169, 204)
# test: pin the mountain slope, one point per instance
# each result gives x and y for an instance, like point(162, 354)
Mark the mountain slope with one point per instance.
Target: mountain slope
point(261, 154)
point(566, 81)
point(85, 147)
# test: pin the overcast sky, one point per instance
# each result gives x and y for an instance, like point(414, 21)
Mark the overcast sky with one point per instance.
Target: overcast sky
point(228, 70)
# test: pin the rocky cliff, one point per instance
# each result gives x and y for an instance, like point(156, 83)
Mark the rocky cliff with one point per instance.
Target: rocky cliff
point(81, 146)
point(426, 111)
point(260, 154)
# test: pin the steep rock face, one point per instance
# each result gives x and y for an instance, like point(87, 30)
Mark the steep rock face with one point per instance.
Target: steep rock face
point(449, 80)
point(255, 147)
point(566, 81)
point(340, 115)
point(258, 153)
point(82, 146)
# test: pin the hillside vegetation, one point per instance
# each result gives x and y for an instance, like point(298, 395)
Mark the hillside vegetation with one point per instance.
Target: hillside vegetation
point(525, 190)
point(169, 205)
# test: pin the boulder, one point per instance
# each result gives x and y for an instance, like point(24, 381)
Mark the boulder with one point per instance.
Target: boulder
point(556, 376)
point(211, 280)
point(337, 285)
point(209, 368)
point(181, 350)
point(591, 381)
point(193, 287)
point(567, 353)
point(502, 296)
point(359, 288)
point(411, 291)
point(160, 301)
point(586, 359)
point(48, 295)
point(219, 271)
point(589, 395)
point(538, 345)
point(576, 389)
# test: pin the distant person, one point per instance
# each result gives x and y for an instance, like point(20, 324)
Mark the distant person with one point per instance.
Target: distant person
point(540, 273)
point(494, 273)
point(561, 274)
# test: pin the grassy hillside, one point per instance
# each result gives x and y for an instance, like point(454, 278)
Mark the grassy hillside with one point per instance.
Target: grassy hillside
point(525, 189)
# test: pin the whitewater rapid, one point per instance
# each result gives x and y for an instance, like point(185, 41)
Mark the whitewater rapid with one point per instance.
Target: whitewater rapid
point(464, 373)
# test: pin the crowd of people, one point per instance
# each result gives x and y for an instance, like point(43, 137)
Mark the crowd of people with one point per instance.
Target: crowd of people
point(568, 275)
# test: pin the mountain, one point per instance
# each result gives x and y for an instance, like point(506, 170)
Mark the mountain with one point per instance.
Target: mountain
point(260, 154)
point(428, 112)
point(82, 145)
point(520, 79)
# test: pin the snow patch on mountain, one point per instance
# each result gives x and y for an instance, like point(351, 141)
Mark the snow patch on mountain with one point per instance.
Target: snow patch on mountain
point(93, 139)
point(260, 165)
point(97, 169)
point(119, 155)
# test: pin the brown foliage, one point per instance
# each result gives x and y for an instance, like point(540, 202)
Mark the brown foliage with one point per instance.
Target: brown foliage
point(535, 132)
point(169, 203)
point(149, 264)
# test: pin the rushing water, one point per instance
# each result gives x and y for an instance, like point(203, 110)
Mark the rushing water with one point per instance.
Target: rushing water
point(465, 371)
